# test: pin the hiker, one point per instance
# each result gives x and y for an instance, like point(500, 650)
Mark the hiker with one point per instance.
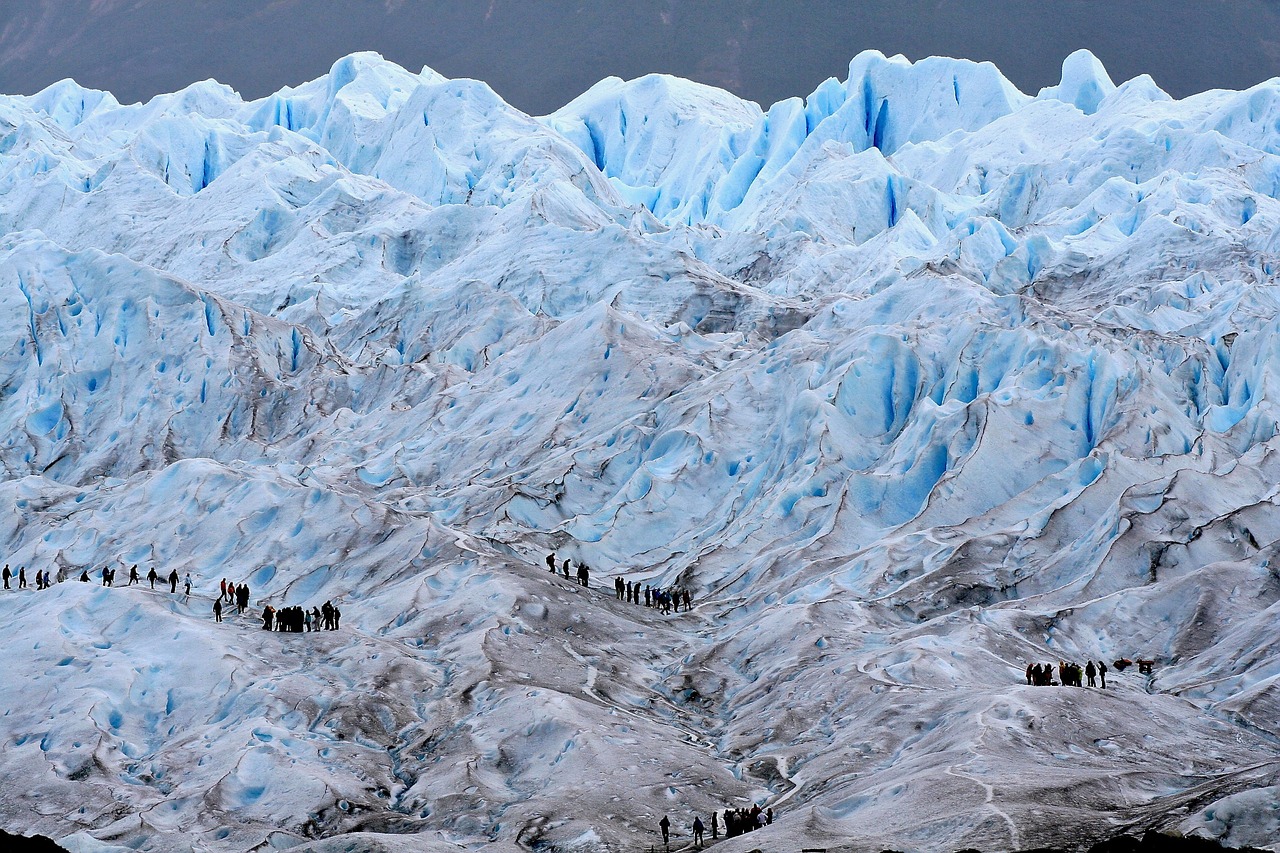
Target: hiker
point(22, 577)
point(688, 601)
point(337, 618)
point(551, 561)
point(268, 615)
point(566, 568)
point(152, 576)
point(647, 594)
point(217, 609)
point(7, 574)
point(187, 584)
point(1102, 673)
point(327, 610)
point(666, 830)
point(583, 573)
point(84, 576)
point(618, 586)
point(173, 581)
point(133, 575)
point(715, 824)
point(242, 597)
point(697, 831)
point(1091, 672)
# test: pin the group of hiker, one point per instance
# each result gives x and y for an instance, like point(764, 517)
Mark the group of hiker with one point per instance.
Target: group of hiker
point(1069, 674)
point(631, 592)
point(663, 599)
point(107, 575)
point(42, 577)
point(293, 619)
point(736, 822)
point(296, 619)
point(232, 593)
point(1073, 675)
point(583, 573)
point(299, 619)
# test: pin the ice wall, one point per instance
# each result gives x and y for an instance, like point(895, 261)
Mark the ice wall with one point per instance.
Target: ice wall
point(911, 383)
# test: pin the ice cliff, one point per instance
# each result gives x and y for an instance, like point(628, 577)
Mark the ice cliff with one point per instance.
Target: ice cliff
point(912, 382)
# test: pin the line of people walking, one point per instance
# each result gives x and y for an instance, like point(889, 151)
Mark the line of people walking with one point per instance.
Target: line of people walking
point(736, 822)
point(42, 577)
point(107, 576)
point(230, 592)
point(664, 600)
point(583, 571)
point(327, 617)
point(298, 620)
point(1069, 674)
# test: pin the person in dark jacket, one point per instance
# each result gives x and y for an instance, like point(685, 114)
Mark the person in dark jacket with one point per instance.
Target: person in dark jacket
point(665, 823)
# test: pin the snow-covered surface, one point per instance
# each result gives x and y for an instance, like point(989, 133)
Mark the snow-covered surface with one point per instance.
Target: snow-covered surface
point(911, 383)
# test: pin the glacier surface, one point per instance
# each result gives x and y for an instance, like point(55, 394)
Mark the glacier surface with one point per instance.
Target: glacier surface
point(911, 383)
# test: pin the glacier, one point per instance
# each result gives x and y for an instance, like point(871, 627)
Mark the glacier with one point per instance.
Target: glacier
point(911, 383)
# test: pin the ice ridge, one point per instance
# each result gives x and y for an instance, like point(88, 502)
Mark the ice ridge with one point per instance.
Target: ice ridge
point(910, 384)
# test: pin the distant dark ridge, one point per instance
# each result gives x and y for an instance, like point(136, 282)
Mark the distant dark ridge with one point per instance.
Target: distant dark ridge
point(22, 844)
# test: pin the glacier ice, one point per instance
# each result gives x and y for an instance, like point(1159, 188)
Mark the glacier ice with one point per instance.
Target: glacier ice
point(911, 382)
